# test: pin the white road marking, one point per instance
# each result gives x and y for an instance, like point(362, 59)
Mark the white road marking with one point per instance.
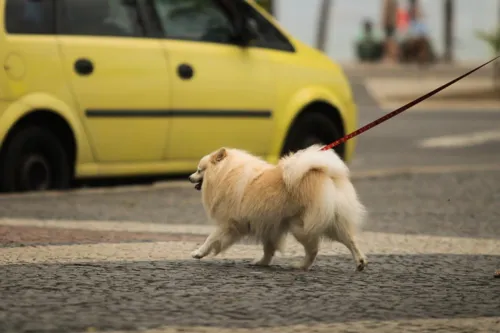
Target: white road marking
point(461, 140)
point(370, 242)
point(117, 226)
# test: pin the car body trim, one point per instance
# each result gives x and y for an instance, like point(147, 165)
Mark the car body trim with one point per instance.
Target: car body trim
point(96, 113)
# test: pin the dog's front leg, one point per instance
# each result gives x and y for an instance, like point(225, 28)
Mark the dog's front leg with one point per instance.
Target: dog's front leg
point(207, 246)
point(217, 242)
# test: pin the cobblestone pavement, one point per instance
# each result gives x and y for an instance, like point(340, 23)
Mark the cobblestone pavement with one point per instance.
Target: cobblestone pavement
point(150, 294)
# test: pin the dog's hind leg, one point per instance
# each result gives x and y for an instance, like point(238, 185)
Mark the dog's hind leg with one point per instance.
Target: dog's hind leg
point(345, 236)
point(310, 244)
point(217, 242)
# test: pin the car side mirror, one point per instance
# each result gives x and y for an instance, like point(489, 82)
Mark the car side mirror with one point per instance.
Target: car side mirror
point(248, 33)
point(245, 30)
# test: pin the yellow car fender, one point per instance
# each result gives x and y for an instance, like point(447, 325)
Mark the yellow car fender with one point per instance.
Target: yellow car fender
point(296, 105)
point(41, 101)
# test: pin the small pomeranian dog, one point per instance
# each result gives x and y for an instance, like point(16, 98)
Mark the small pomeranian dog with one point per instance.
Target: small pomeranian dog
point(308, 194)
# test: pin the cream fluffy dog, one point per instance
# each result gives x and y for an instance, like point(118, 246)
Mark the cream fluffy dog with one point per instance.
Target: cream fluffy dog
point(308, 194)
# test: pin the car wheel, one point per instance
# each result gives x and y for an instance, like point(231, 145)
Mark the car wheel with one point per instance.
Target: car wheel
point(312, 128)
point(34, 160)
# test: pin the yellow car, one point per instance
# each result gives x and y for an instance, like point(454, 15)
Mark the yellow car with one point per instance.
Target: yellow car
point(108, 88)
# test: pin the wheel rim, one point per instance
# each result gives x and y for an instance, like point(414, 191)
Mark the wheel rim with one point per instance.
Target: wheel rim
point(35, 173)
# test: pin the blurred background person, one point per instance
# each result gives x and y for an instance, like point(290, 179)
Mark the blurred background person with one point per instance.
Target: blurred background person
point(416, 46)
point(402, 20)
point(369, 44)
point(389, 19)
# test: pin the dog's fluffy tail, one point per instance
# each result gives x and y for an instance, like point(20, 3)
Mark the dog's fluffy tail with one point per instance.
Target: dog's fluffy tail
point(335, 206)
point(296, 166)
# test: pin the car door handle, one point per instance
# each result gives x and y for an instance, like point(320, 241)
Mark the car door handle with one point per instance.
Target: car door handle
point(84, 67)
point(185, 71)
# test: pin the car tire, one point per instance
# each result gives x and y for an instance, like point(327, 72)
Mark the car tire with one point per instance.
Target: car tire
point(34, 160)
point(312, 128)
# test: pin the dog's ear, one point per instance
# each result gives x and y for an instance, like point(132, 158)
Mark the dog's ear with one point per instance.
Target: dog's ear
point(219, 155)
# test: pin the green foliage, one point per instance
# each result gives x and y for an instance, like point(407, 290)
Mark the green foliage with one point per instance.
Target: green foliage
point(492, 38)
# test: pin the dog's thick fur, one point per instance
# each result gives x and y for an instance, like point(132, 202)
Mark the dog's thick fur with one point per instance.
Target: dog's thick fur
point(308, 194)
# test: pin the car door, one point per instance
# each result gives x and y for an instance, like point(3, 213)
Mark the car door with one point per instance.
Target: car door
point(222, 94)
point(119, 77)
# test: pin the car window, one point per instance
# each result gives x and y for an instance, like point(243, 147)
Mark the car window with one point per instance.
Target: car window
point(196, 20)
point(268, 35)
point(29, 17)
point(118, 18)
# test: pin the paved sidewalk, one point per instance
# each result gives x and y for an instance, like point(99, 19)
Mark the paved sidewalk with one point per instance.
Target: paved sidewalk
point(413, 283)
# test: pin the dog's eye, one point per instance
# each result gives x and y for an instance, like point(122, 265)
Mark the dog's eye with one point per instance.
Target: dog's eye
point(199, 170)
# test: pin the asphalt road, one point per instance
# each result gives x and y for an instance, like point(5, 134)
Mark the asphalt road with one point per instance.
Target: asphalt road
point(432, 240)
point(397, 142)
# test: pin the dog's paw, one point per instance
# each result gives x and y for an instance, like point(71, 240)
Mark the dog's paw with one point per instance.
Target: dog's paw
point(260, 263)
point(196, 254)
point(302, 267)
point(361, 264)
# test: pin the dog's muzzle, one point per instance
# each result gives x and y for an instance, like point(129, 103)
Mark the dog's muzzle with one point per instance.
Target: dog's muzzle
point(198, 183)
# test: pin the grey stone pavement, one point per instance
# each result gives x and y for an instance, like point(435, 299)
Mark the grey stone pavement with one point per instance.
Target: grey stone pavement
point(432, 241)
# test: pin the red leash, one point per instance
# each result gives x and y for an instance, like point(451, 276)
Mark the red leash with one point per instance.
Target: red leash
point(401, 109)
